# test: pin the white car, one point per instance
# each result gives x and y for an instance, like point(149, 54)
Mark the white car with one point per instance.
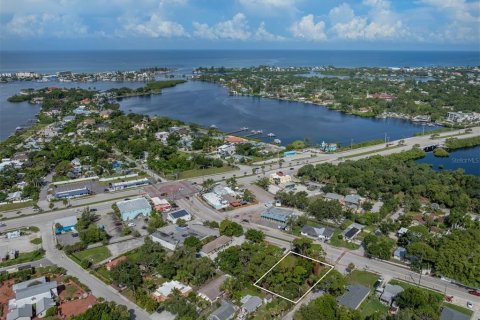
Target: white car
point(131, 224)
point(469, 305)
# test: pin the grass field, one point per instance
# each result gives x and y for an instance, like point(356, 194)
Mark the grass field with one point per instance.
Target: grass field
point(365, 278)
point(15, 206)
point(204, 172)
point(24, 257)
point(335, 241)
point(95, 255)
point(373, 306)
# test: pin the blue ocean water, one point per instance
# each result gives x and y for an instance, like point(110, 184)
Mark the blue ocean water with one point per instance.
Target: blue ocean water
point(88, 61)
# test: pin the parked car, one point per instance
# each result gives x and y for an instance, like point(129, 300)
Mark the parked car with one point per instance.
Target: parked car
point(469, 305)
point(2, 224)
point(474, 292)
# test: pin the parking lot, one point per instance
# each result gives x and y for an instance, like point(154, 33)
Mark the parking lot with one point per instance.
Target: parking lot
point(112, 224)
point(171, 190)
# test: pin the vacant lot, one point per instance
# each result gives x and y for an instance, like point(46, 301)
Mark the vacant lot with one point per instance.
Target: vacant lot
point(95, 255)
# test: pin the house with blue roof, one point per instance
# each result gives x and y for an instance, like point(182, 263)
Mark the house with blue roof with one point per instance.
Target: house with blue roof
point(130, 209)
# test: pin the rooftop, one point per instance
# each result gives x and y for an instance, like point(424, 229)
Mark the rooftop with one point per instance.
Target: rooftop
point(66, 221)
point(167, 288)
point(354, 296)
point(179, 214)
point(216, 244)
point(176, 235)
point(132, 205)
point(450, 314)
point(224, 312)
point(212, 289)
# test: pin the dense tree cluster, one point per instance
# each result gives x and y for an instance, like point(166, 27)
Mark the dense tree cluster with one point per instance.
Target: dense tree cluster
point(325, 307)
point(230, 228)
point(105, 311)
point(389, 176)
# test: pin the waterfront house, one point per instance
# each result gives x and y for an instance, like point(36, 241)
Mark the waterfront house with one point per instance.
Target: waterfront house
point(130, 209)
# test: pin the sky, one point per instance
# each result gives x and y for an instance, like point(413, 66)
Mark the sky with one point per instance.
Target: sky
point(239, 24)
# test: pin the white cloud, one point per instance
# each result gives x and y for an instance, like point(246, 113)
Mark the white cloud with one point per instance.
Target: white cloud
point(155, 27)
point(380, 24)
point(51, 25)
point(263, 35)
point(265, 7)
point(306, 28)
point(234, 29)
point(463, 21)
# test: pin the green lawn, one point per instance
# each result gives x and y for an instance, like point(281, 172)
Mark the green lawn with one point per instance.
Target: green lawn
point(24, 257)
point(365, 278)
point(463, 310)
point(373, 306)
point(104, 275)
point(15, 206)
point(205, 172)
point(36, 241)
point(335, 241)
point(95, 255)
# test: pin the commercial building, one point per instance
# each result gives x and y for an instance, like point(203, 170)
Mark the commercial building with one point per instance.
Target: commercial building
point(279, 215)
point(71, 192)
point(220, 197)
point(130, 209)
point(173, 217)
point(279, 178)
point(65, 224)
point(129, 184)
point(161, 205)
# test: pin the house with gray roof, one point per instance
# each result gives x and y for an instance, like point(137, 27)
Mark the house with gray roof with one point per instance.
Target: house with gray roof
point(355, 295)
point(334, 196)
point(172, 235)
point(390, 292)
point(250, 303)
point(23, 313)
point(42, 306)
point(353, 201)
point(226, 311)
point(320, 232)
point(450, 314)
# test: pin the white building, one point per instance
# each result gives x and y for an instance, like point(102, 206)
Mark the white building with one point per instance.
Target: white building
point(279, 178)
point(167, 288)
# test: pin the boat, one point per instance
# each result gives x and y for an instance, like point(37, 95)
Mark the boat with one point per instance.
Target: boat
point(18, 128)
point(244, 128)
point(271, 134)
point(213, 126)
point(277, 141)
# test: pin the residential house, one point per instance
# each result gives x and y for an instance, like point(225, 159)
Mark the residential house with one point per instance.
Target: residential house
point(250, 303)
point(167, 288)
point(354, 296)
point(452, 314)
point(114, 262)
point(14, 196)
point(172, 236)
point(226, 311)
point(226, 150)
point(334, 196)
point(211, 291)
point(400, 253)
point(172, 217)
point(162, 136)
point(130, 209)
point(322, 233)
point(352, 231)
point(353, 201)
point(215, 245)
point(390, 292)
point(36, 292)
